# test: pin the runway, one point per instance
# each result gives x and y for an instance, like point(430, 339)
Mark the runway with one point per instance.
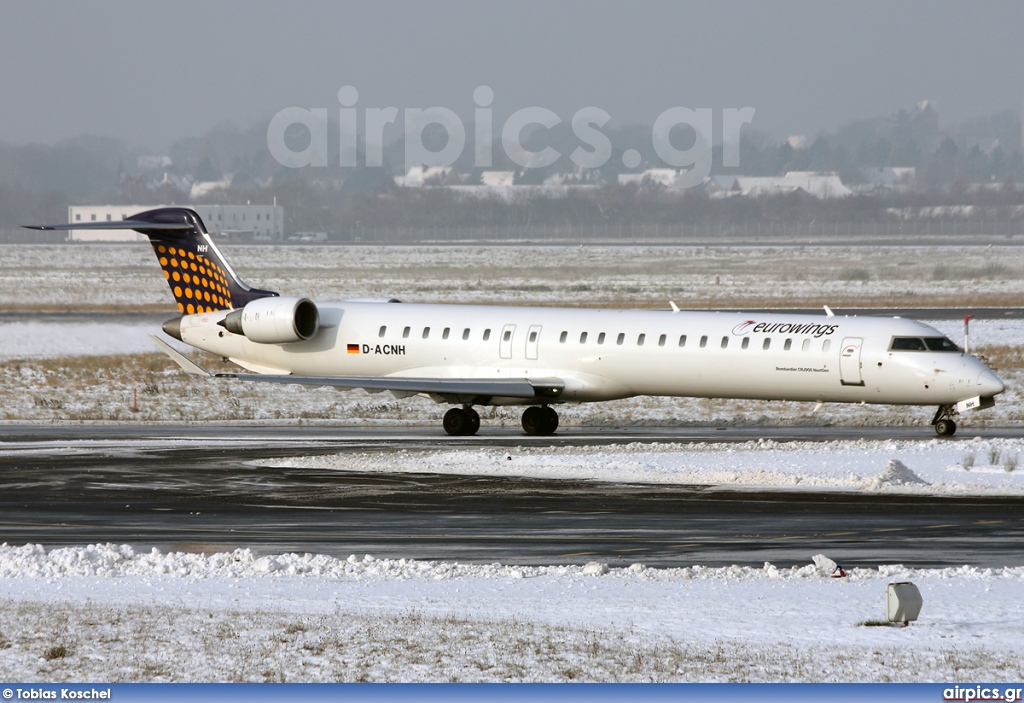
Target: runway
point(203, 488)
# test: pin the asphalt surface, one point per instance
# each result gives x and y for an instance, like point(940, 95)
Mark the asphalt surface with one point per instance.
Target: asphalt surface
point(207, 488)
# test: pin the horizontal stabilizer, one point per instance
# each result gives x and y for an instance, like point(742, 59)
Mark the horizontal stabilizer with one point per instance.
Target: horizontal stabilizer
point(186, 364)
point(137, 225)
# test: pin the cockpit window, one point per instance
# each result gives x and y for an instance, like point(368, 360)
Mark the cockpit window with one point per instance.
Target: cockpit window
point(939, 344)
point(907, 344)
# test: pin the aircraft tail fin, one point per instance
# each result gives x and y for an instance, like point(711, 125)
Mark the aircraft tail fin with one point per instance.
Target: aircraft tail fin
point(200, 278)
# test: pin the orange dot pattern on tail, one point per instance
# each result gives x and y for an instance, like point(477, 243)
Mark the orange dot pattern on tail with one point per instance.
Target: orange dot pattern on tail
point(198, 284)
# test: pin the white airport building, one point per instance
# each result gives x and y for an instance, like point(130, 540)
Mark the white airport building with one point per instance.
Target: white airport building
point(256, 222)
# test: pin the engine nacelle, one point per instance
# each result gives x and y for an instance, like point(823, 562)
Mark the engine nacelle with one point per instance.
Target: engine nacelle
point(277, 320)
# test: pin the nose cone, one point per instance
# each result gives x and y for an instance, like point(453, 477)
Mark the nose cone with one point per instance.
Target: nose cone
point(989, 384)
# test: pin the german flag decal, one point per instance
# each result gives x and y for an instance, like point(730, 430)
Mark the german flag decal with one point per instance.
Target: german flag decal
point(353, 348)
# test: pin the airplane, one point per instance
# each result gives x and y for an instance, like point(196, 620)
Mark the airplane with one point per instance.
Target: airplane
point(476, 355)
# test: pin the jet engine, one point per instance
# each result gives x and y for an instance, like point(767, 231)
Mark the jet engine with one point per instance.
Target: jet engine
point(278, 320)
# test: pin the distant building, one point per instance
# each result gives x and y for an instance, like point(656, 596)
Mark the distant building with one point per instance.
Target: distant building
point(202, 188)
point(667, 177)
point(419, 176)
point(820, 185)
point(498, 178)
point(798, 142)
point(258, 222)
point(153, 163)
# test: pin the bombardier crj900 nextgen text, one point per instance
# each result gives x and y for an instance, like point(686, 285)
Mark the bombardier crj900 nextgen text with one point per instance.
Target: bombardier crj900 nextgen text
point(469, 355)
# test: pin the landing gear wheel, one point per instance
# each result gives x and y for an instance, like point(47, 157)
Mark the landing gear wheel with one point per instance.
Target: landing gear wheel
point(474, 421)
point(532, 421)
point(540, 421)
point(461, 422)
point(945, 428)
point(550, 420)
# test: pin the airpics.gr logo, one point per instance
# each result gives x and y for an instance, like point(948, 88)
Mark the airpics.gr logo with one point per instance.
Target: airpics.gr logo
point(811, 328)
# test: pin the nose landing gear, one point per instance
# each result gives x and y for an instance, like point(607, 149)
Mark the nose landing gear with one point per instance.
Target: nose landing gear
point(943, 421)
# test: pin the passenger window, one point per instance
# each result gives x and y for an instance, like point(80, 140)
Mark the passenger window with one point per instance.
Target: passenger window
point(640, 340)
point(620, 339)
point(767, 343)
point(703, 341)
point(465, 333)
point(426, 332)
point(682, 340)
point(507, 336)
point(487, 335)
point(788, 345)
point(746, 342)
point(405, 332)
point(383, 330)
point(806, 346)
point(533, 337)
point(826, 345)
point(600, 338)
point(583, 337)
point(444, 335)
point(564, 336)
point(661, 340)
point(725, 342)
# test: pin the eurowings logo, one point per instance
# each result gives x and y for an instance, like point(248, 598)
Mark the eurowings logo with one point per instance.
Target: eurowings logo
point(813, 329)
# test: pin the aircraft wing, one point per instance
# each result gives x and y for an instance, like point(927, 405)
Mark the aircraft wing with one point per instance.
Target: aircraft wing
point(457, 390)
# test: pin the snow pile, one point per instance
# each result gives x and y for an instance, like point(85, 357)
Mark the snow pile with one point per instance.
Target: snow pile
point(833, 465)
point(109, 561)
point(896, 473)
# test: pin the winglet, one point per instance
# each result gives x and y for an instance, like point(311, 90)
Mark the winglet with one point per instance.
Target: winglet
point(675, 308)
point(828, 311)
point(180, 359)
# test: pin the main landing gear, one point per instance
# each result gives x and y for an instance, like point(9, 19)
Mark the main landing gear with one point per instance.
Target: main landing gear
point(943, 420)
point(461, 421)
point(540, 420)
point(465, 421)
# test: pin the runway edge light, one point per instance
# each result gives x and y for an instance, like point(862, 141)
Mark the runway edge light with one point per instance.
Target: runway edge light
point(903, 602)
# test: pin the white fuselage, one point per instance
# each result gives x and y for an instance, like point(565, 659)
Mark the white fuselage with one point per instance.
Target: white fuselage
point(610, 354)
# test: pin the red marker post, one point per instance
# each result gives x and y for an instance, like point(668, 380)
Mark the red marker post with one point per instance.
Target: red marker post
point(967, 320)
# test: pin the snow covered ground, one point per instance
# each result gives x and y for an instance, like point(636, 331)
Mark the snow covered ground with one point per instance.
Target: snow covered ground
point(126, 276)
point(106, 613)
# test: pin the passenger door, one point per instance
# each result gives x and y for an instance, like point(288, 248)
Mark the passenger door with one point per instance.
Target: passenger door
point(505, 344)
point(532, 342)
point(849, 362)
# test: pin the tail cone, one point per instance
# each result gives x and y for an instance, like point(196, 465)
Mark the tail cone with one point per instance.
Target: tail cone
point(172, 328)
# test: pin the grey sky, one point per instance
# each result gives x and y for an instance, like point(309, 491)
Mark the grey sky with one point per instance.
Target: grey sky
point(153, 72)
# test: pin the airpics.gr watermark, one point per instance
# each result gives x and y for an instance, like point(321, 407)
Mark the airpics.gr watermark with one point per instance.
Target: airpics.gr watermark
point(594, 151)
